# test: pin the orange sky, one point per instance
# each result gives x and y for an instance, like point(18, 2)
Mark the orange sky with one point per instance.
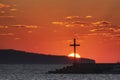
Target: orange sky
point(49, 26)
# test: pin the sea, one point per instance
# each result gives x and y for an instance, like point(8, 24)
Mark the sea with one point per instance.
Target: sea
point(39, 72)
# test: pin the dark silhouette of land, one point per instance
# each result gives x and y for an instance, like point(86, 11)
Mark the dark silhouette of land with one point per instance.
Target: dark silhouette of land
point(21, 57)
point(88, 68)
point(9, 56)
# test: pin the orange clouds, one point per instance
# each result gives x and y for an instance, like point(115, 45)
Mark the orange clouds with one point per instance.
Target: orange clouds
point(66, 24)
point(7, 16)
point(90, 25)
point(106, 28)
point(7, 13)
point(15, 32)
point(89, 17)
point(6, 34)
point(58, 23)
point(71, 21)
point(25, 26)
point(4, 6)
point(117, 30)
point(3, 27)
point(102, 23)
point(72, 17)
point(8, 6)
point(13, 9)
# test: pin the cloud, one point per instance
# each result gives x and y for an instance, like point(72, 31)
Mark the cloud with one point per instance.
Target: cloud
point(20, 26)
point(3, 27)
point(7, 16)
point(117, 30)
point(71, 41)
point(71, 21)
point(7, 12)
point(2, 12)
point(106, 29)
point(17, 38)
point(82, 21)
point(4, 6)
point(102, 30)
point(30, 31)
point(66, 24)
point(12, 28)
point(16, 31)
point(32, 27)
point(23, 26)
point(105, 26)
point(87, 20)
point(13, 9)
point(58, 23)
point(90, 26)
point(102, 23)
point(88, 17)
point(72, 17)
point(6, 34)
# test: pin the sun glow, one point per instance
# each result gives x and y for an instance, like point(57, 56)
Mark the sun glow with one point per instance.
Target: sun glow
point(72, 55)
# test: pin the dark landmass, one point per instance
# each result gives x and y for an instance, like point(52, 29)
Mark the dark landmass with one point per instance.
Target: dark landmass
point(10, 56)
point(21, 57)
point(89, 68)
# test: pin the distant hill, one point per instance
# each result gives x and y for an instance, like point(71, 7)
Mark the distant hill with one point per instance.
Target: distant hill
point(10, 56)
point(20, 57)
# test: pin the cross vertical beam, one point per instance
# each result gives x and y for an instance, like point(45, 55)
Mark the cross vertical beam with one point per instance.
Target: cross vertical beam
point(75, 45)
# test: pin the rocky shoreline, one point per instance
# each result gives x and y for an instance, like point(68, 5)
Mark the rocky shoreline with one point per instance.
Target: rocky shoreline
point(89, 68)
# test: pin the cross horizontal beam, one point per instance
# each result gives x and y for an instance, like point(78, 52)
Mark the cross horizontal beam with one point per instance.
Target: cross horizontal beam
point(74, 44)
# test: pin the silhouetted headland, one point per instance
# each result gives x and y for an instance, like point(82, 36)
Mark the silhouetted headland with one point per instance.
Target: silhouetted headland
point(9, 56)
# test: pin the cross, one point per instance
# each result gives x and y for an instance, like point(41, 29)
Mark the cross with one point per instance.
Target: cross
point(75, 45)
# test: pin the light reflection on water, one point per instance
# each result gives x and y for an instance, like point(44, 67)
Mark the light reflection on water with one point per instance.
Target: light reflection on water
point(38, 72)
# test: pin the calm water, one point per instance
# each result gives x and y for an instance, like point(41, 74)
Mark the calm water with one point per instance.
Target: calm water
point(38, 72)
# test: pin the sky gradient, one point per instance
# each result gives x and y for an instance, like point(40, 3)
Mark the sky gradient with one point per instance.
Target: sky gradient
point(49, 26)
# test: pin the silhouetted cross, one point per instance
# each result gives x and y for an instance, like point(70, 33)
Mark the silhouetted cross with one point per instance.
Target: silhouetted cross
point(75, 45)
